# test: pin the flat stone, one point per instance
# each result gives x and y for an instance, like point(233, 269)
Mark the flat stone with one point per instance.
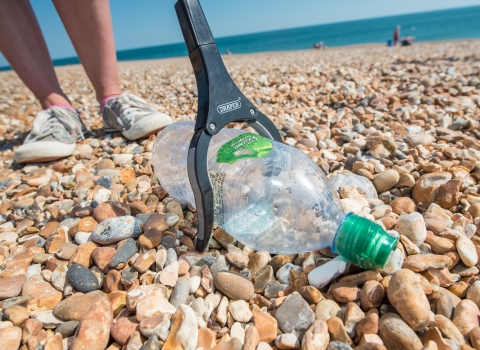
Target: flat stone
point(48, 319)
point(45, 296)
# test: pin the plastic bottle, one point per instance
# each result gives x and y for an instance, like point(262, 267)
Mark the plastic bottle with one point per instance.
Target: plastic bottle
point(270, 196)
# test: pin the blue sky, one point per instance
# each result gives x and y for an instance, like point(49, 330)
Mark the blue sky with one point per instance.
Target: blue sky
point(142, 23)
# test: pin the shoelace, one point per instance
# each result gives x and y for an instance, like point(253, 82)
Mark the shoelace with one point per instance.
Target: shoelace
point(53, 120)
point(128, 107)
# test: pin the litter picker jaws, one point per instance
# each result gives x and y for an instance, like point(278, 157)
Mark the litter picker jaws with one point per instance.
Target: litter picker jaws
point(220, 102)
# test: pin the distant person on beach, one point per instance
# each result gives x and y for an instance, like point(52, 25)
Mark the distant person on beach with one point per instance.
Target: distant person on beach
point(396, 35)
point(407, 40)
point(58, 126)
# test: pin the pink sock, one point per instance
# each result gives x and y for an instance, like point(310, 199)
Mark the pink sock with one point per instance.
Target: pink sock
point(105, 100)
point(66, 106)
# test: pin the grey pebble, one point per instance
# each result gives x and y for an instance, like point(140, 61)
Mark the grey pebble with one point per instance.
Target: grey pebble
point(181, 249)
point(180, 293)
point(171, 219)
point(207, 259)
point(294, 315)
point(144, 217)
point(386, 308)
point(168, 242)
point(67, 329)
point(69, 222)
point(125, 250)
point(246, 273)
point(338, 345)
point(82, 279)
point(220, 264)
point(94, 143)
point(66, 205)
point(20, 301)
point(152, 344)
point(171, 256)
point(272, 289)
point(283, 273)
point(105, 181)
point(115, 229)
point(129, 275)
point(359, 127)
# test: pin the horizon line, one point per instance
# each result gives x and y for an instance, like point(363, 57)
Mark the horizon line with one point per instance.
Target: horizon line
point(8, 67)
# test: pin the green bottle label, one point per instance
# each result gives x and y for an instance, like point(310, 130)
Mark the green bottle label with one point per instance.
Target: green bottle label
point(244, 146)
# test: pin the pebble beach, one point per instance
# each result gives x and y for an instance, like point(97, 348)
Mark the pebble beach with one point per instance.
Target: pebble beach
point(94, 253)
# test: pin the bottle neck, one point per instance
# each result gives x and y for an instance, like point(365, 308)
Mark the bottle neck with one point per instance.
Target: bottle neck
point(363, 242)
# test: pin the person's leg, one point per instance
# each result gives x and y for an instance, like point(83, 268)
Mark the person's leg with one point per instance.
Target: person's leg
point(89, 25)
point(23, 45)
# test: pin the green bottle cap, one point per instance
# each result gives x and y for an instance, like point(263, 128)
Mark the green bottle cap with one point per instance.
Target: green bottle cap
point(363, 242)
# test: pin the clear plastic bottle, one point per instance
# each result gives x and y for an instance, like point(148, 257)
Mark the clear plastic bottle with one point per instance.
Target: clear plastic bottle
point(270, 196)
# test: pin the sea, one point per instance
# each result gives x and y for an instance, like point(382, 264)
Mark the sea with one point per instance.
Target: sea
point(460, 23)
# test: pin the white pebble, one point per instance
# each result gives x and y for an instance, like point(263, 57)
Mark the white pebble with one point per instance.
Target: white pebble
point(194, 283)
point(322, 275)
point(466, 250)
point(33, 269)
point(240, 311)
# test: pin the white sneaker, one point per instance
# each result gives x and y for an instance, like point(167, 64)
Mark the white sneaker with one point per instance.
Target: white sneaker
point(54, 135)
point(132, 115)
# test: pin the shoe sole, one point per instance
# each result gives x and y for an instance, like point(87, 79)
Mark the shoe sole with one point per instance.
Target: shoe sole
point(43, 151)
point(147, 126)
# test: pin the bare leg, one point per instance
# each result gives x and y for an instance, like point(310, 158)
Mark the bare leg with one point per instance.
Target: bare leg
point(89, 25)
point(23, 45)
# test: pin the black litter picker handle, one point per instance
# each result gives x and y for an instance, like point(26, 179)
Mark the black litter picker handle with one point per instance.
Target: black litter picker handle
point(220, 102)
